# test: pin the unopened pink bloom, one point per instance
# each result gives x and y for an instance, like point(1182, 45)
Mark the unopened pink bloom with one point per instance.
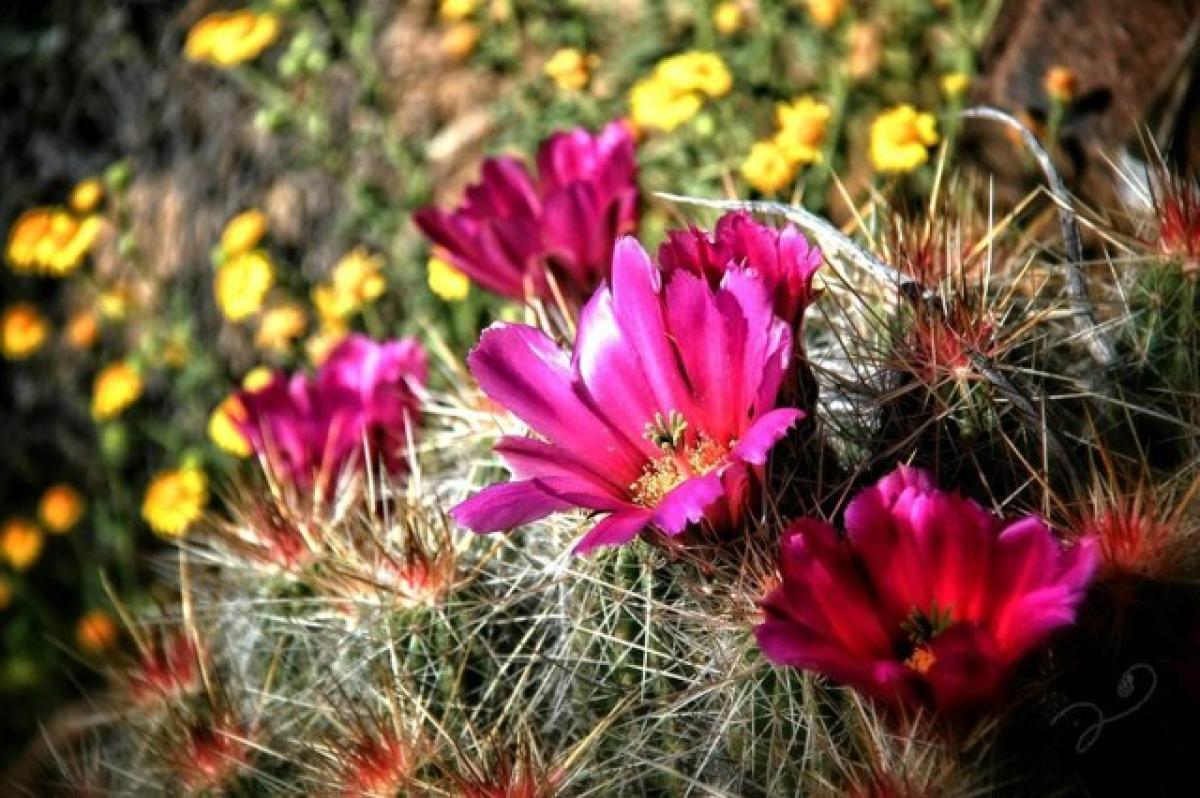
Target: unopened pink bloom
point(928, 600)
point(662, 417)
point(783, 258)
point(363, 397)
point(513, 228)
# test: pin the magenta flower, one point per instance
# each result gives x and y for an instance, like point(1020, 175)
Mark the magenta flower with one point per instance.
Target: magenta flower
point(310, 428)
point(928, 600)
point(512, 229)
point(783, 258)
point(663, 416)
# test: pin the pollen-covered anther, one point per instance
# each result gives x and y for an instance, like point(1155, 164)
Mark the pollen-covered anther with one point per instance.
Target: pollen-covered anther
point(921, 660)
point(663, 474)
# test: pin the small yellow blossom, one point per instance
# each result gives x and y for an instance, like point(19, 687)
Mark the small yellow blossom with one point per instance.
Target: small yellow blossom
point(279, 326)
point(229, 38)
point(114, 302)
point(60, 508)
point(569, 68)
point(256, 378)
point(24, 236)
point(358, 278)
point(655, 104)
point(955, 84)
point(175, 500)
point(459, 40)
point(242, 283)
point(51, 241)
point(320, 344)
point(825, 13)
point(243, 232)
point(900, 139)
point(117, 386)
point(20, 543)
point(1061, 84)
point(82, 329)
point(96, 632)
point(728, 18)
point(447, 282)
point(802, 124)
point(695, 70)
point(456, 10)
point(223, 427)
point(86, 195)
point(23, 330)
point(767, 168)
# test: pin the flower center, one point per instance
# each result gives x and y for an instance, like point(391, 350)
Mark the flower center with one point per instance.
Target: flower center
point(920, 629)
point(678, 462)
point(921, 660)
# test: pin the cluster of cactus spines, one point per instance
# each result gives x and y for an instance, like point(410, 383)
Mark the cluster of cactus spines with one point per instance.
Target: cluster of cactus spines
point(360, 644)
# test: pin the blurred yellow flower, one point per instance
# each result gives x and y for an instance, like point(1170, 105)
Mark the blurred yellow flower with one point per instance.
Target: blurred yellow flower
point(86, 195)
point(229, 38)
point(82, 329)
point(321, 343)
point(955, 83)
point(20, 543)
point(1060, 84)
point(175, 500)
point(60, 508)
point(447, 282)
point(728, 18)
point(358, 278)
point(695, 70)
point(117, 386)
point(459, 40)
point(655, 104)
point(802, 124)
point(569, 68)
point(223, 427)
point(114, 302)
point(279, 326)
point(51, 241)
point(457, 10)
point(242, 283)
point(767, 168)
point(96, 632)
point(256, 378)
point(243, 232)
point(23, 330)
point(900, 139)
point(825, 13)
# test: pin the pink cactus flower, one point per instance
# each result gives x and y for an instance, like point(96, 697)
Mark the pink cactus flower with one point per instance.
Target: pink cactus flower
point(512, 229)
point(928, 600)
point(662, 417)
point(362, 399)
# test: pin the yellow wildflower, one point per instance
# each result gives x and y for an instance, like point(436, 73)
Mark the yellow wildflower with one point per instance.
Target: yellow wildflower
point(60, 508)
point(96, 631)
point(358, 278)
point(86, 195)
point(279, 326)
point(242, 283)
point(223, 427)
point(825, 13)
point(23, 330)
point(447, 282)
point(114, 302)
point(696, 70)
point(320, 344)
point(728, 18)
point(20, 543)
point(82, 329)
point(569, 68)
point(955, 83)
point(175, 500)
point(256, 378)
point(25, 235)
point(229, 38)
point(900, 139)
point(767, 168)
point(456, 10)
point(117, 386)
point(51, 241)
point(1061, 84)
point(243, 232)
point(655, 104)
point(802, 125)
point(459, 40)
